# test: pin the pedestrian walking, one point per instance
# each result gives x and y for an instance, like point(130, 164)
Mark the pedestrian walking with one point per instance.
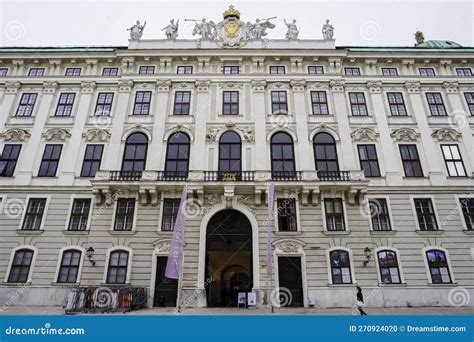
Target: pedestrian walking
point(360, 301)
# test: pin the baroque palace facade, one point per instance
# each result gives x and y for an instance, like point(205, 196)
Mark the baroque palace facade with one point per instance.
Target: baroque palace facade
point(371, 151)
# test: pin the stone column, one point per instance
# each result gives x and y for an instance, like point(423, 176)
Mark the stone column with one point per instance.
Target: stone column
point(388, 149)
point(158, 145)
point(257, 99)
point(346, 156)
point(31, 152)
point(8, 96)
point(197, 160)
point(434, 167)
point(113, 153)
point(302, 146)
point(71, 154)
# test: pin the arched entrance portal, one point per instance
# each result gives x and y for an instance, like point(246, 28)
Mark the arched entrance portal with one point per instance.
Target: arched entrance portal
point(228, 257)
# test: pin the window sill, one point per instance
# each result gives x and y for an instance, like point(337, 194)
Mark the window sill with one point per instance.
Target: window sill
point(5, 283)
point(122, 232)
point(392, 285)
point(76, 232)
point(115, 285)
point(342, 285)
point(442, 285)
point(429, 232)
point(383, 232)
point(56, 284)
point(287, 233)
point(29, 232)
point(336, 232)
point(468, 232)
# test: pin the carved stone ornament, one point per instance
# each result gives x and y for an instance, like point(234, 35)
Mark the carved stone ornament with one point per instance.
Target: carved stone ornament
point(12, 87)
point(298, 85)
point(211, 200)
point(15, 134)
point(96, 134)
point(337, 85)
point(279, 85)
point(50, 87)
point(248, 201)
point(451, 87)
point(56, 134)
point(323, 127)
point(364, 134)
point(88, 87)
point(446, 134)
point(412, 87)
point(405, 134)
point(317, 85)
point(374, 87)
point(125, 85)
point(212, 133)
point(258, 85)
point(289, 246)
point(231, 85)
point(203, 85)
point(163, 85)
point(179, 128)
point(182, 85)
point(247, 133)
point(163, 247)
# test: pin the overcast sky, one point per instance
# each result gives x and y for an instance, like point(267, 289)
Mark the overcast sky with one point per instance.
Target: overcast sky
point(357, 23)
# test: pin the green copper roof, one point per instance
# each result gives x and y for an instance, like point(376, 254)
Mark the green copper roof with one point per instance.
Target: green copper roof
point(439, 44)
point(60, 49)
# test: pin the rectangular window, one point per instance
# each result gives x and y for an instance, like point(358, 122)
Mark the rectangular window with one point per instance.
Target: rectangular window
point(92, 160)
point(231, 69)
point(8, 159)
point(230, 103)
point(104, 104)
point(368, 160)
point(3, 72)
point(315, 70)
point(118, 265)
point(378, 209)
point(287, 215)
point(279, 102)
point(358, 105)
point(34, 214)
point(36, 72)
point(470, 102)
point(27, 103)
point(319, 102)
point(453, 161)
point(353, 71)
point(66, 101)
point(142, 103)
point(464, 71)
point(50, 161)
point(80, 214)
point(426, 71)
point(334, 214)
point(435, 102)
point(146, 70)
point(69, 268)
point(467, 207)
point(277, 69)
point(389, 71)
point(397, 104)
point(411, 161)
point(170, 212)
point(185, 69)
point(73, 72)
point(125, 213)
point(20, 268)
point(182, 102)
point(425, 213)
point(110, 72)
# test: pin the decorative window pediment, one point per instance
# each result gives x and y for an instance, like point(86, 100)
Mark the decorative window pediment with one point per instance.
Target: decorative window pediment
point(364, 134)
point(289, 246)
point(97, 134)
point(56, 134)
point(15, 134)
point(446, 134)
point(405, 134)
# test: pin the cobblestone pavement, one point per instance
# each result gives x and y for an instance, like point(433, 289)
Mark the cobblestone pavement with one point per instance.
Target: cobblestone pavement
point(434, 311)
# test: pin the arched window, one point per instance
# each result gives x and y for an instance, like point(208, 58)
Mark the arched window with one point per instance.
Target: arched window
point(20, 267)
point(230, 152)
point(69, 268)
point(177, 156)
point(118, 266)
point(438, 265)
point(134, 155)
point(340, 267)
point(388, 266)
point(283, 156)
point(325, 154)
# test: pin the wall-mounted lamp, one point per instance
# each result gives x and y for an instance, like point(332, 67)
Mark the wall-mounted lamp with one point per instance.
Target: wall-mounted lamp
point(90, 254)
point(368, 255)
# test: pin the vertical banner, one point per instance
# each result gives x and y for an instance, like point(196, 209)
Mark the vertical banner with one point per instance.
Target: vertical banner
point(175, 257)
point(271, 198)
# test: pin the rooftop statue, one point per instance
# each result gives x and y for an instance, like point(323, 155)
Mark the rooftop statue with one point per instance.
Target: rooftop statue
point(207, 30)
point(136, 31)
point(328, 30)
point(292, 33)
point(419, 37)
point(258, 30)
point(171, 30)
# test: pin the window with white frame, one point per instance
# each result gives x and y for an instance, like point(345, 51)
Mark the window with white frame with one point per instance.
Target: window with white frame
point(453, 160)
point(3, 72)
point(104, 104)
point(21, 265)
point(110, 72)
point(118, 267)
point(352, 71)
point(319, 103)
point(50, 161)
point(170, 213)
point(388, 267)
point(185, 69)
point(36, 72)
point(464, 71)
point(467, 208)
point(124, 215)
point(34, 214)
point(9, 159)
point(397, 104)
point(79, 214)
point(65, 104)
point(26, 105)
point(436, 104)
point(69, 267)
point(358, 104)
point(182, 103)
point(286, 211)
point(438, 266)
point(142, 103)
point(231, 69)
point(426, 71)
point(73, 72)
point(277, 69)
point(340, 267)
point(380, 215)
point(470, 102)
point(315, 70)
point(389, 72)
point(425, 214)
point(334, 213)
point(146, 70)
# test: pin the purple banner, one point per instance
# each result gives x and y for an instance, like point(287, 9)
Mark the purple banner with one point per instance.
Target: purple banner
point(175, 258)
point(271, 198)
